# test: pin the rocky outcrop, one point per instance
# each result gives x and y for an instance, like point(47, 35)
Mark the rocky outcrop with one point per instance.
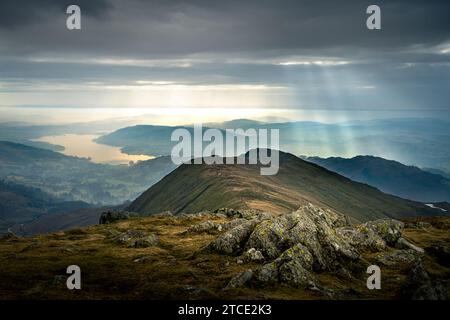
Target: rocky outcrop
point(398, 257)
point(252, 255)
point(113, 216)
point(294, 246)
point(232, 213)
point(136, 239)
point(388, 229)
point(310, 226)
point(208, 226)
point(240, 280)
point(234, 240)
point(402, 243)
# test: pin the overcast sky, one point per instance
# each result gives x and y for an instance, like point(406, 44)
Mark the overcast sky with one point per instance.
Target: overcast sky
point(275, 55)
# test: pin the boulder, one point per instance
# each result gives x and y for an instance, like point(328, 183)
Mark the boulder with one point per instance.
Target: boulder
point(402, 243)
point(205, 227)
point(136, 239)
point(363, 238)
point(398, 257)
point(252, 255)
point(240, 280)
point(295, 266)
point(269, 237)
point(113, 216)
point(233, 241)
point(389, 230)
point(268, 273)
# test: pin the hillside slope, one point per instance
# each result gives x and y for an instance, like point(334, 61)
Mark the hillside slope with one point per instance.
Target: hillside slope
point(390, 176)
point(193, 188)
point(20, 204)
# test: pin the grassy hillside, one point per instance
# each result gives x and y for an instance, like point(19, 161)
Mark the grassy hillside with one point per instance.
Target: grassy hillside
point(193, 188)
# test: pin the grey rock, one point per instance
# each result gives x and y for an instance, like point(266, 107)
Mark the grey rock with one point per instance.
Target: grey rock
point(113, 216)
point(363, 238)
point(389, 230)
point(136, 239)
point(402, 243)
point(233, 241)
point(232, 213)
point(205, 227)
point(294, 267)
point(269, 237)
point(240, 280)
point(391, 258)
point(268, 273)
point(252, 255)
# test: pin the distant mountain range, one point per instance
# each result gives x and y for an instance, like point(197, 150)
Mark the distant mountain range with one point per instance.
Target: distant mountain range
point(193, 188)
point(390, 176)
point(420, 142)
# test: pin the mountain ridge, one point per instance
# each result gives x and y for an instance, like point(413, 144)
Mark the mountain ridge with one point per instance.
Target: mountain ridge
point(390, 176)
point(193, 188)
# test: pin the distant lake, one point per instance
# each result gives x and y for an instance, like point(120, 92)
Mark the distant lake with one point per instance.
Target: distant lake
point(83, 145)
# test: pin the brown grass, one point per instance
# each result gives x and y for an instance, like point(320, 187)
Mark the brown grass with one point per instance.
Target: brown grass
point(174, 269)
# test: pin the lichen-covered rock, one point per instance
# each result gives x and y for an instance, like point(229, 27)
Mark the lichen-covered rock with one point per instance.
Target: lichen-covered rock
point(312, 227)
point(205, 227)
point(389, 230)
point(398, 257)
point(363, 238)
point(233, 223)
point(252, 255)
point(269, 237)
point(233, 241)
point(232, 213)
point(402, 243)
point(268, 273)
point(295, 265)
point(293, 274)
point(136, 239)
point(113, 216)
point(311, 239)
point(240, 280)
point(298, 254)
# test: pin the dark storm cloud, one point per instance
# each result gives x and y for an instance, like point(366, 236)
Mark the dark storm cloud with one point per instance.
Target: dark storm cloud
point(262, 27)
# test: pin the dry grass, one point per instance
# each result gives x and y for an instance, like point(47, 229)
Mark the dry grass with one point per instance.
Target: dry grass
point(174, 269)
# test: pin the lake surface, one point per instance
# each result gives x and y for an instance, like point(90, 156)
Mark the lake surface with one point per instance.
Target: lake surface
point(83, 145)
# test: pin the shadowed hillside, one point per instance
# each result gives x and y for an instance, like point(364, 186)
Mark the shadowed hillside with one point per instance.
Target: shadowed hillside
point(390, 176)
